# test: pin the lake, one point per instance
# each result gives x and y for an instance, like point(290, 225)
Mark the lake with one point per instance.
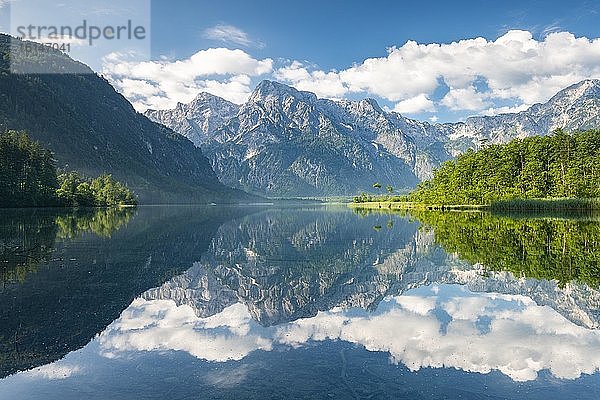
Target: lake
point(311, 302)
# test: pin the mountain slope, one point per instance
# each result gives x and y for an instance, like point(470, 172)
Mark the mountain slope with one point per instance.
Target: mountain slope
point(286, 142)
point(572, 109)
point(93, 129)
point(197, 119)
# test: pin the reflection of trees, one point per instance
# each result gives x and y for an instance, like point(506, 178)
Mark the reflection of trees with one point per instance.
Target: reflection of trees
point(27, 238)
point(102, 222)
point(24, 243)
point(88, 281)
point(561, 249)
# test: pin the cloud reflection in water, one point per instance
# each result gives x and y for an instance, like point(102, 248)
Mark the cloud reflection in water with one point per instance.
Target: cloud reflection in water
point(437, 326)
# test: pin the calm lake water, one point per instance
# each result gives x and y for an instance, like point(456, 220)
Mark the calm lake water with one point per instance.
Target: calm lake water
point(312, 302)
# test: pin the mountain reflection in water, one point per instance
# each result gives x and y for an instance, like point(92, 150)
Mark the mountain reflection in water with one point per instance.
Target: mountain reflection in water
point(424, 289)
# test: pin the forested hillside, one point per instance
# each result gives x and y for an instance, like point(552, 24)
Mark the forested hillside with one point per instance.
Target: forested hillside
point(556, 166)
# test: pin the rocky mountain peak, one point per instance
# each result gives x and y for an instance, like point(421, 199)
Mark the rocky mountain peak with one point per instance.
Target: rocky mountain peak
point(267, 89)
point(371, 103)
point(198, 119)
point(287, 142)
point(205, 97)
point(362, 107)
point(576, 94)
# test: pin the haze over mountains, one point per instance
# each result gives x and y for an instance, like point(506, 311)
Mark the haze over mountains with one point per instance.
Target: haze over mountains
point(285, 142)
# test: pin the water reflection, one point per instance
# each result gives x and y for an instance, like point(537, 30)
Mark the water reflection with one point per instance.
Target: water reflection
point(436, 326)
point(100, 222)
point(27, 237)
point(284, 266)
point(67, 276)
point(325, 276)
point(563, 249)
point(227, 293)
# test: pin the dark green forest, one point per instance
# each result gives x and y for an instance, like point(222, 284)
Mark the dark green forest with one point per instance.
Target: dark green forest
point(27, 172)
point(103, 191)
point(560, 165)
point(29, 178)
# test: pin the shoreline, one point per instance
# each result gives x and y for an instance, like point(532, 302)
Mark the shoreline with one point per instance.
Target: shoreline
point(397, 205)
point(519, 206)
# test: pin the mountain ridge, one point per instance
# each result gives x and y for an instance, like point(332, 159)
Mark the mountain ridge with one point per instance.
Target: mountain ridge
point(276, 136)
point(539, 119)
point(286, 142)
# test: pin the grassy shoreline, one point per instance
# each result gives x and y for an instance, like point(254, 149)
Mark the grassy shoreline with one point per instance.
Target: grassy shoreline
point(529, 205)
point(396, 205)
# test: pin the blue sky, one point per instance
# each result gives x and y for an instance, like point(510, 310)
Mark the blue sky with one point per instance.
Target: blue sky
point(337, 33)
point(422, 59)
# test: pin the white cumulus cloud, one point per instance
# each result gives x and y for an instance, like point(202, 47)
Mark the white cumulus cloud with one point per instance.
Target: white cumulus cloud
point(480, 76)
point(419, 103)
point(465, 99)
point(514, 66)
point(163, 83)
point(160, 325)
point(55, 371)
point(520, 340)
point(323, 84)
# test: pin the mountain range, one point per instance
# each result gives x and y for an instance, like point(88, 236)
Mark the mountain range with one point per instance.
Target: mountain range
point(281, 142)
point(286, 142)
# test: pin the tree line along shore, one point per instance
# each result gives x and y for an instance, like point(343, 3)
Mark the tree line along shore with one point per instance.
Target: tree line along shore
point(560, 171)
point(29, 178)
